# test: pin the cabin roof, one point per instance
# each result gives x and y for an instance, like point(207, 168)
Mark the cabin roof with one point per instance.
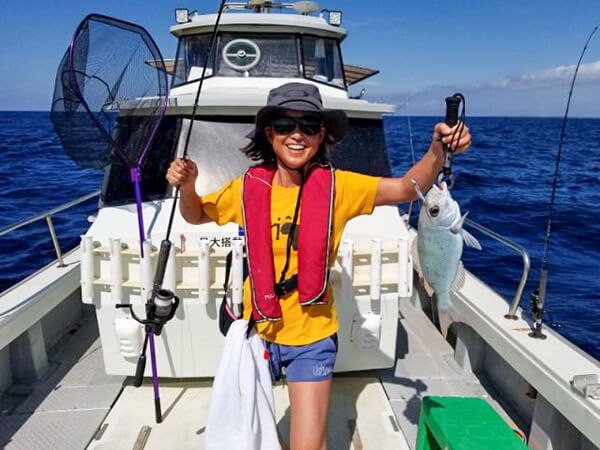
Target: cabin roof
point(278, 23)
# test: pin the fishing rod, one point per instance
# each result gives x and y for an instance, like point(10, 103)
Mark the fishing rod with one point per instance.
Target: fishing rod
point(194, 110)
point(451, 119)
point(412, 152)
point(162, 303)
point(538, 296)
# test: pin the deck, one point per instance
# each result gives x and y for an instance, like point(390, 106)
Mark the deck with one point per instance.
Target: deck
point(77, 405)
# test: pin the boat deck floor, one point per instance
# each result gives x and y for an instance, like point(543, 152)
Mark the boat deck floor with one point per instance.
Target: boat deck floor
point(360, 417)
point(78, 405)
point(64, 408)
point(425, 365)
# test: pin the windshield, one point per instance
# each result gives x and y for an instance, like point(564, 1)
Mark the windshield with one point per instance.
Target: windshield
point(261, 55)
point(257, 56)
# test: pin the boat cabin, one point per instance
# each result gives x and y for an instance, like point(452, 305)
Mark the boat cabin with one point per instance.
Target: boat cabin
point(254, 52)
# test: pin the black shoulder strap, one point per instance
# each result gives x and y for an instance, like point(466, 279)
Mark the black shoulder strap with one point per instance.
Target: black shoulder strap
point(228, 262)
point(251, 323)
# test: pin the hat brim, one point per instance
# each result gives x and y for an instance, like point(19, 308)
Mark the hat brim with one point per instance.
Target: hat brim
point(335, 120)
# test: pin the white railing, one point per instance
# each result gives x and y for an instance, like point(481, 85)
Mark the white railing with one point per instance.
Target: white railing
point(47, 215)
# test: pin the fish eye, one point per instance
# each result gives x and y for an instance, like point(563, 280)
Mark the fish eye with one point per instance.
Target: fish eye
point(434, 211)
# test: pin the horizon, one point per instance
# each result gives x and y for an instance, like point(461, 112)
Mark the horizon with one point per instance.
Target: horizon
point(481, 116)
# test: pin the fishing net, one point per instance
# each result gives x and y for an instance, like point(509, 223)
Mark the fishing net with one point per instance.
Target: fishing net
point(110, 93)
point(110, 96)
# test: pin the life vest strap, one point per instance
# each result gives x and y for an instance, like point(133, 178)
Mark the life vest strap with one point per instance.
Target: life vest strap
point(286, 286)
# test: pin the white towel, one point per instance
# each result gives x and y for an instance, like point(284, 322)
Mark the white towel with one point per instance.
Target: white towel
point(241, 415)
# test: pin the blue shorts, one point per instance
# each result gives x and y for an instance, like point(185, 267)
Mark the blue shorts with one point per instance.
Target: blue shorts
point(310, 362)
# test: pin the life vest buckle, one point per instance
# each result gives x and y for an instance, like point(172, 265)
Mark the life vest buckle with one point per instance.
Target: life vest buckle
point(286, 286)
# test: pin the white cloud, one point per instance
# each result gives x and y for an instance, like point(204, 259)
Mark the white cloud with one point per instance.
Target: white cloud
point(539, 93)
point(558, 74)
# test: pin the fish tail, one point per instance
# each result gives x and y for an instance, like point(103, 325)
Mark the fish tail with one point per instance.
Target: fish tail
point(443, 301)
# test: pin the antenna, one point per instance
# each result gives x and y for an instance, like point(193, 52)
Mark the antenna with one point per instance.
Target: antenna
point(305, 8)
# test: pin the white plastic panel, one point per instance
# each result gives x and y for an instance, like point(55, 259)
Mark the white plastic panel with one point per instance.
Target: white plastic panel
point(87, 269)
point(366, 331)
point(203, 271)
point(375, 269)
point(367, 296)
point(190, 345)
point(116, 270)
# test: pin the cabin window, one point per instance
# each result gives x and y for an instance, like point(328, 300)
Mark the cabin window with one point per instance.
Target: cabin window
point(322, 61)
point(256, 55)
point(191, 56)
point(261, 55)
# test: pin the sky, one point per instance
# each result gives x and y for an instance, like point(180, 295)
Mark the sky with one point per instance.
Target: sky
point(509, 58)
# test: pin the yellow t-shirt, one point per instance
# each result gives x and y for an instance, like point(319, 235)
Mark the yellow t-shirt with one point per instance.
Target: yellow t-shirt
point(300, 325)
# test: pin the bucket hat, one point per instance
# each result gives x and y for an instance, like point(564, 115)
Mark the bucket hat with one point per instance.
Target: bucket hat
point(300, 97)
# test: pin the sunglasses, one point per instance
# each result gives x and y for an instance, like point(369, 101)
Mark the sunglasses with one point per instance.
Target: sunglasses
point(310, 126)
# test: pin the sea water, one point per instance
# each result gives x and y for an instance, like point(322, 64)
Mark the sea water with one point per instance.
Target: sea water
point(504, 181)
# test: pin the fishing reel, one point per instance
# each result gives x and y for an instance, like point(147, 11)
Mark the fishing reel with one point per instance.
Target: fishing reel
point(160, 308)
point(452, 105)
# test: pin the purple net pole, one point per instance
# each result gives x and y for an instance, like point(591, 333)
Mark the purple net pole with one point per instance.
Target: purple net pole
point(136, 178)
point(157, 411)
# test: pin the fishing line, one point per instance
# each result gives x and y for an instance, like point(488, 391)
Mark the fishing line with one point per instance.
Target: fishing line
point(194, 110)
point(538, 296)
point(414, 160)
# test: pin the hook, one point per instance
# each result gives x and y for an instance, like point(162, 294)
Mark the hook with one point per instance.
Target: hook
point(418, 189)
point(449, 179)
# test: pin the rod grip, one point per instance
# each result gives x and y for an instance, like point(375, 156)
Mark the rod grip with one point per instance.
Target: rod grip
point(452, 104)
point(139, 371)
point(161, 266)
point(157, 410)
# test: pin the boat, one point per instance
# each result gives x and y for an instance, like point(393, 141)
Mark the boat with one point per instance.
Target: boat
point(68, 355)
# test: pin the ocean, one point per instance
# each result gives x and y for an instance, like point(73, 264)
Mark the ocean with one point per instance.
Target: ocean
point(504, 181)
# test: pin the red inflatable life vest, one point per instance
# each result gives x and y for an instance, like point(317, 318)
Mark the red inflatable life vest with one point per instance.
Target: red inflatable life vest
point(314, 234)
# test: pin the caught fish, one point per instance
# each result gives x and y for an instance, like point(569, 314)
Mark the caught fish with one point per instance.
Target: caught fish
point(440, 243)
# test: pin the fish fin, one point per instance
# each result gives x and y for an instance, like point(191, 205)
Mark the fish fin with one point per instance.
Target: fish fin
point(459, 279)
point(470, 240)
point(443, 302)
point(457, 227)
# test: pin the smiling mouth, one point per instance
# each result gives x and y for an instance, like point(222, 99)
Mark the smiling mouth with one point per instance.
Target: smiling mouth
point(296, 147)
